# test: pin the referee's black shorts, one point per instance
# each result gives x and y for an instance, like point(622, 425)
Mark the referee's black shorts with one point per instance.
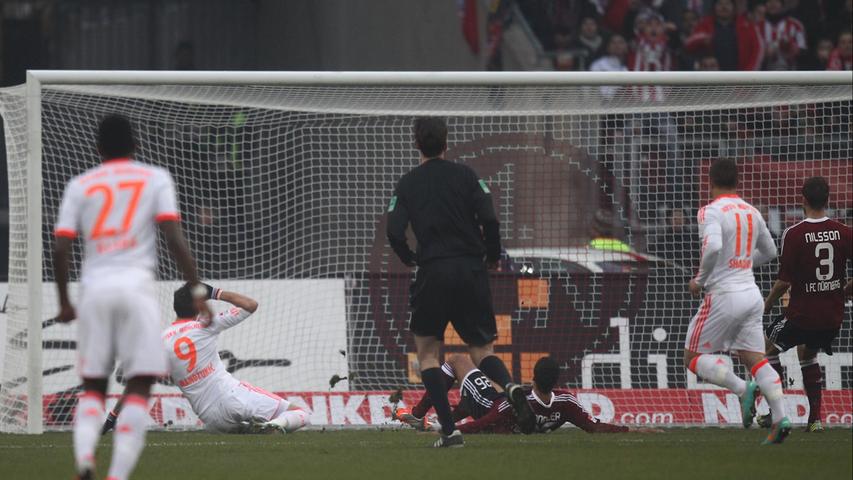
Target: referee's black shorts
point(454, 290)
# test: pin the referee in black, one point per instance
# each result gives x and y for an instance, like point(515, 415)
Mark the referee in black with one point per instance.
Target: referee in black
point(457, 234)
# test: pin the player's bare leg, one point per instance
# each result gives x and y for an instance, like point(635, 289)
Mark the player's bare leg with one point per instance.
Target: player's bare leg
point(131, 425)
point(489, 363)
point(428, 354)
point(770, 384)
point(812, 380)
point(87, 425)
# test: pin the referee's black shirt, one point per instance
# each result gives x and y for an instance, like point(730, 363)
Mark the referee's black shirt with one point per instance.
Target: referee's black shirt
point(446, 204)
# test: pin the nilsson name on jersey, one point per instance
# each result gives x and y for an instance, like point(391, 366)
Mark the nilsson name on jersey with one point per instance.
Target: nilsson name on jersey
point(816, 287)
point(823, 236)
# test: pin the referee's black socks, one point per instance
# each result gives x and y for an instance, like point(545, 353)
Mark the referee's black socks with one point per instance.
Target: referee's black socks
point(495, 369)
point(433, 379)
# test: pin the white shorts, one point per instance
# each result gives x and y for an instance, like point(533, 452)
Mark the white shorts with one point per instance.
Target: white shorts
point(118, 317)
point(243, 403)
point(728, 321)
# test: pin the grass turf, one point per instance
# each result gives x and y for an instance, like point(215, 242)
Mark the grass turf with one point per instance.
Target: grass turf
point(404, 455)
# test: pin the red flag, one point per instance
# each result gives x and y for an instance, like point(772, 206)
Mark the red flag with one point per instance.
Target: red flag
point(470, 28)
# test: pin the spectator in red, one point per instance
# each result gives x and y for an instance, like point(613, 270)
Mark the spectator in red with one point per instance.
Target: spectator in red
point(842, 57)
point(731, 38)
point(783, 37)
point(651, 52)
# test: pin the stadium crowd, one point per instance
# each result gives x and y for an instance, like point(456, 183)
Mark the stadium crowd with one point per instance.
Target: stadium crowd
point(662, 35)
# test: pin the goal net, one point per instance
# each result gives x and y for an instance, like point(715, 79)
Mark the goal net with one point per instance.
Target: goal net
point(283, 187)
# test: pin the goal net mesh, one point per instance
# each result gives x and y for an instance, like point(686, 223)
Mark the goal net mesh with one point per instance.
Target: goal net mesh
point(283, 192)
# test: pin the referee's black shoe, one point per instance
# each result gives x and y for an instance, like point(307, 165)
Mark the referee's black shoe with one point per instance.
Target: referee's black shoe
point(454, 440)
point(523, 413)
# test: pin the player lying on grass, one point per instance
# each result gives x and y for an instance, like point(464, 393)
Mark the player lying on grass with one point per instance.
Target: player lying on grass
point(492, 413)
point(222, 402)
point(812, 265)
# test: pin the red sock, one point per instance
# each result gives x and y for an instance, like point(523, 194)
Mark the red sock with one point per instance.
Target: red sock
point(812, 378)
point(425, 403)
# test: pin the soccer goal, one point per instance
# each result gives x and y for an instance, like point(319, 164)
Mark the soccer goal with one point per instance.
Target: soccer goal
point(284, 179)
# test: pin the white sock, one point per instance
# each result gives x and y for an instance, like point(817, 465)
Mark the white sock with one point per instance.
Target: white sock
point(715, 370)
point(771, 387)
point(292, 420)
point(87, 429)
point(129, 437)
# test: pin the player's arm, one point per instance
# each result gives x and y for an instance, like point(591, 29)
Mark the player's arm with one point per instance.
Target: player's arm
point(61, 261)
point(485, 211)
point(779, 289)
point(485, 423)
point(765, 247)
point(243, 308)
point(238, 300)
point(65, 231)
point(787, 262)
point(398, 221)
point(580, 418)
point(710, 233)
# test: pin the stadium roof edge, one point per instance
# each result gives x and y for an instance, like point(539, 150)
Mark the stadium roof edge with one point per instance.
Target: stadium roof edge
point(161, 77)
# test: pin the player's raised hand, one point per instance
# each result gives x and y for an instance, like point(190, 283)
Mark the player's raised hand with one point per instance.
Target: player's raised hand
point(694, 288)
point(66, 313)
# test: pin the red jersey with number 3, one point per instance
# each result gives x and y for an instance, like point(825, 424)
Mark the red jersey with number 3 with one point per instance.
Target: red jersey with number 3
point(114, 207)
point(814, 261)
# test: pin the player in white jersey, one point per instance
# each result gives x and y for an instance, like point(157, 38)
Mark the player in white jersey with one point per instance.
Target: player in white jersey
point(116, 207)
point(222, 402)
point(734, 240)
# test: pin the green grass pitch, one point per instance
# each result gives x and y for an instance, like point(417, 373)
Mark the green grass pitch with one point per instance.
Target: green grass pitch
point(689, 454)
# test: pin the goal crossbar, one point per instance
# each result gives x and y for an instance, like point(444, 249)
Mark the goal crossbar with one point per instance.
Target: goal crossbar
point(132, 77)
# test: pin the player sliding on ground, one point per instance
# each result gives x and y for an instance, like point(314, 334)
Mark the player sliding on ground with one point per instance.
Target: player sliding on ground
point(490, 411)
point(222, 402)
point(115, 208)
point(734, 240)
point(813, 265)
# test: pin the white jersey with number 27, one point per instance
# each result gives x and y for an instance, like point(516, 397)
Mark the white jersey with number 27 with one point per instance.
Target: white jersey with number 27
point(114, 207)
point(734, 239)
point(194, 362)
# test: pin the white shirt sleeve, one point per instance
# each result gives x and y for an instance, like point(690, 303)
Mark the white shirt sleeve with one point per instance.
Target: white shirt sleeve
point(711, 235)
point(765, 247)
point(68, 221)
point(167, 202)
point(227, 319)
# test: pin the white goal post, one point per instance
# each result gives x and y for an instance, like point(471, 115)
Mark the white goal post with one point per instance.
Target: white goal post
point(557, 146)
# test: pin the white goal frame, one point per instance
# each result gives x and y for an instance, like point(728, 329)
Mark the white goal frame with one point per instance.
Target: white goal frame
point(36, 79)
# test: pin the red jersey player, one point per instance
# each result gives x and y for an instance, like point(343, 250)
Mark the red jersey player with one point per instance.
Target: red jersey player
point(813, 265)
point(492, 413)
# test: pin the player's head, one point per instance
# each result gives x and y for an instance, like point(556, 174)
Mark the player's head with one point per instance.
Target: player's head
point(430, 136)
point(815, 193)
point(545, 374)
point(724, 174)
point(115, 137)
point(183, 303)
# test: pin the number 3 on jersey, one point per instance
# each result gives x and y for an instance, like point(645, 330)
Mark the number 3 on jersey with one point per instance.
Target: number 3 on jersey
point(825, 262)
point(189, 355)
point(135, 187)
